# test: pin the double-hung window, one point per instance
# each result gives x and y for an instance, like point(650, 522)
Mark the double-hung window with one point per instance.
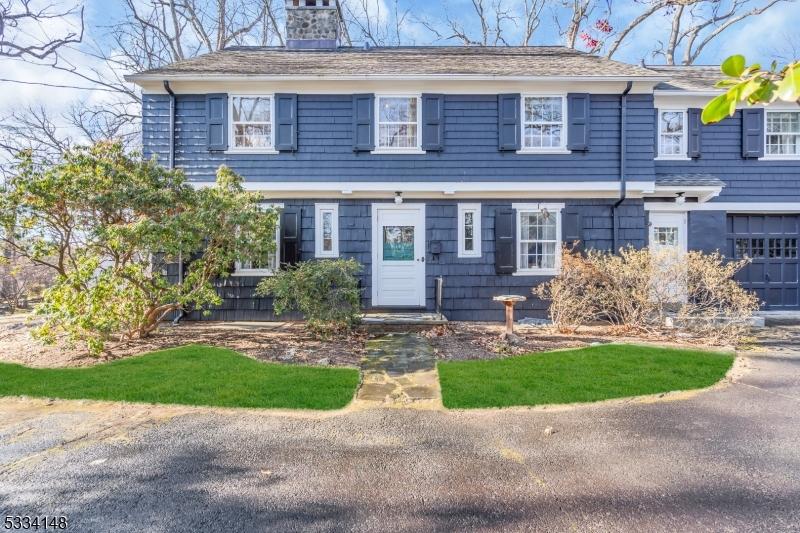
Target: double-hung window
point(783, 133)
point(538, 238)
point(543, 126)
point(326, 230)
point(672, 133)
point(251, 123)
point(469, 230)
point(269, 265)
point(398, 124)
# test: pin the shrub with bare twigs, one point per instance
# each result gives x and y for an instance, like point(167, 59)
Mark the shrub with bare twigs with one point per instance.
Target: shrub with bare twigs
point(637, 289)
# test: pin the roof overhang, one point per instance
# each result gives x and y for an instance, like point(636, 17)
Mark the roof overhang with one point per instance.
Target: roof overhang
point(703, 193)
point(138, 78)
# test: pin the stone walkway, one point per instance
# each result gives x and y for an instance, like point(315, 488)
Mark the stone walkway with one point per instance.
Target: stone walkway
point(399, 370)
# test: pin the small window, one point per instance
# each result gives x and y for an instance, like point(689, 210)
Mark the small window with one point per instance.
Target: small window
point(538, 239)
point(757, 247)
point(742, 248)
point(326, 230)
point(783, 133)
point(251, 123)
point(469, 230)
point(672, 133)
point(543, 122)
point(776, 248)
point(398, 123)
point(790, 248)
point(665, 236)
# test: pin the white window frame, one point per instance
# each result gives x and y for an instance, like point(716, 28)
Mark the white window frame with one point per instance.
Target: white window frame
point(231, 137)
point(319, 211)
point(264, 272)
point(387, 149)
point(684, 154)
point(562, 147)
point(555, 209)
point(475, 209)
point(767, 155)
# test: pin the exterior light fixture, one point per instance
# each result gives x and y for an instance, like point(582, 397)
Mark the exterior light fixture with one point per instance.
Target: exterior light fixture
point(398, 198)
point(680, 199)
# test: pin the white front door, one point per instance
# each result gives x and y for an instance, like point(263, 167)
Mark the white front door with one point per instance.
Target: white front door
point(668, 243)
point(398, 255)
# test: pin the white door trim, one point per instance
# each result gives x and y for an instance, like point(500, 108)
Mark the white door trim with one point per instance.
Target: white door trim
point(376, 239)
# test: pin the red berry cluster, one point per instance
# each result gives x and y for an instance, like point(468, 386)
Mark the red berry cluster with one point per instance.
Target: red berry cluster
point(588, 40)
point(603, 25)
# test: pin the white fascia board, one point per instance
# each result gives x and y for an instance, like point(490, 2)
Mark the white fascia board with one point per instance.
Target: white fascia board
point(702, 192)
point(730, 207)
point(566, 189)
point(137, 78)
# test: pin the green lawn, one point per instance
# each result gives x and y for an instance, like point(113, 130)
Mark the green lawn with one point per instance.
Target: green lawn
point(190, 375)
point(582, 375)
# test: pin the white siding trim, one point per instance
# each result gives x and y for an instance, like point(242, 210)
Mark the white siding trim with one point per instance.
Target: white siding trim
point(476, 230)
point(731, 207)
point(319, 209)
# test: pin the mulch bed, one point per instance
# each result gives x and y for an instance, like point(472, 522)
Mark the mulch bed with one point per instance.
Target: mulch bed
point(285, 342)
point(483, 340)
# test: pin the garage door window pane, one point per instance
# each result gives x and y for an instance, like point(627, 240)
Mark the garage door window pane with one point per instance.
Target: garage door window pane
point(757, 247)
point(790, 248)
point(742, 247)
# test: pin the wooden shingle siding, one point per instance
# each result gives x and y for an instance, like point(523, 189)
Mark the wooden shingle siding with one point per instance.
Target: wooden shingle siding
point(746, 180)
point(325, 145)
point(470, 283)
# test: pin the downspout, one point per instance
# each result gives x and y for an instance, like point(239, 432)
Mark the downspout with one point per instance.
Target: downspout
point(171, 165)
point(623, 190)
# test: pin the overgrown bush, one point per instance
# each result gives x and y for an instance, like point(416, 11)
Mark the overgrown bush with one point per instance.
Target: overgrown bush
point(326, 293)
point(106, 224)
point(637, 289)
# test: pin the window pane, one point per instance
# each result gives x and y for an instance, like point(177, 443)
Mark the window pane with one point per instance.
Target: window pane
point(672, 122)
point(538, 240)
point(398, 243)
point(757, 247)
point(783, 144)
point(790, 248)
point(397, 136)
point(666, 236)
point(670, 145)
point(252, 135)
point(248, 109)
point(542, 136)
point(742, 247)
point(783, 122)
point(398, 110)
point(327, 231)
point(543, 109)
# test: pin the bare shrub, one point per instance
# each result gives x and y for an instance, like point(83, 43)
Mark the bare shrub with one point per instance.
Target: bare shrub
point(634, 291)
point(21, 280)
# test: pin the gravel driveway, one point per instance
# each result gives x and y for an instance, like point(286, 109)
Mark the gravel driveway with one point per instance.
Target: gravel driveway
point(722, 460)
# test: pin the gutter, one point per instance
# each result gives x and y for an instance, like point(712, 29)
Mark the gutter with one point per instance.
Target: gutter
point(171, 165)
point(623, 189)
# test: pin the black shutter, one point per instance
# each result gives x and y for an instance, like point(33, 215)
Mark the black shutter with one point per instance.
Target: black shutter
point(578, 117)
point(752, 133)
point(290, 237)
point(363, 119)
point(433, 122)
point(572, 228)
point(656, 135)
point(505, 235)
point(286, 122)
point(217, 121)
point(694, 129)
point(509, 127)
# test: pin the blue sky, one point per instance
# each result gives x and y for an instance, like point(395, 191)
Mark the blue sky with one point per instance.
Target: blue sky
point(756, 37)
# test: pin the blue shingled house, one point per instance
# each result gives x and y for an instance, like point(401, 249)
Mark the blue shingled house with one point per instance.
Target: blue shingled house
point(474, 164)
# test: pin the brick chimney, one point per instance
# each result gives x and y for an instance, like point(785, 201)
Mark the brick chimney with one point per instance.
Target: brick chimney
point(313, 24)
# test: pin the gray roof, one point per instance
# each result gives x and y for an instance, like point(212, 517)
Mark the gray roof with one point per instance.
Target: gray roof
point(555, 61)
point(688, 78)
point(689, 179)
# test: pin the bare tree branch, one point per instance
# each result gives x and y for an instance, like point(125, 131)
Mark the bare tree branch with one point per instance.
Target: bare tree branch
point(22, 33)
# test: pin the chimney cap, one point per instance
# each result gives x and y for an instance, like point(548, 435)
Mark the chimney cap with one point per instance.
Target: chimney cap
point(290, 4)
